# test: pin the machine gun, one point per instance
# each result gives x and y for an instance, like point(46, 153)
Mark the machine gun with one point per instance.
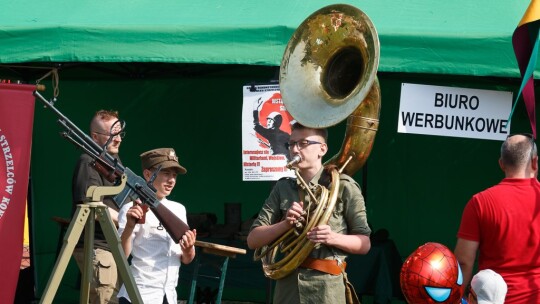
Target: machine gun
point(109, 167)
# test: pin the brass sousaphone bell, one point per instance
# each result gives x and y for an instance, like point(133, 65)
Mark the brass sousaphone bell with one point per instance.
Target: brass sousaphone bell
point(328, 73)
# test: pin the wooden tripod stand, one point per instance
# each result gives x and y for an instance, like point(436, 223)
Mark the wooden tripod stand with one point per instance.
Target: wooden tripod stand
point(84, 217)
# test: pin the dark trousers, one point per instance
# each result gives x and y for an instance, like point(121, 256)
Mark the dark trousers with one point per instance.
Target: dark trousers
point(123, 300)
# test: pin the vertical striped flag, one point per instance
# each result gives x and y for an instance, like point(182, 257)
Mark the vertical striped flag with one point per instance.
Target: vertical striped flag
point(16, 120)
point(525, 41)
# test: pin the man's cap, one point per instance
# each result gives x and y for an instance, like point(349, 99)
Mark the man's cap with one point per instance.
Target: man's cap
point(489, 286)
point(166, 157)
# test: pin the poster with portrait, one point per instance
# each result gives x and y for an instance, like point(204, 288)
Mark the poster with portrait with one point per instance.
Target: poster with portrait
point(266, 127)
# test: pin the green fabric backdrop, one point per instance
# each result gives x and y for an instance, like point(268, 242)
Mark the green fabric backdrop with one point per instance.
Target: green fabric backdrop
point(416, 186)
point(188, 96)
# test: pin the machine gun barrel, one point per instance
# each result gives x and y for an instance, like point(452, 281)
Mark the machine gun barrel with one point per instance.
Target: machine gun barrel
point(112, 170)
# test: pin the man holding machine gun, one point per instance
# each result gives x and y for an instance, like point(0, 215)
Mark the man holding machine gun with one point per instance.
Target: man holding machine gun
point(156, 257)
point(320, 277)
point(104, 128)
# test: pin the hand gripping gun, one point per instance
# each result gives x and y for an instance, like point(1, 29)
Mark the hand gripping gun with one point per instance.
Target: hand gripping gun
point(109, 167)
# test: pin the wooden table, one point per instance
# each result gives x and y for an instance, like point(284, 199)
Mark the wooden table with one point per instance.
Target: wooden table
point(215, 249)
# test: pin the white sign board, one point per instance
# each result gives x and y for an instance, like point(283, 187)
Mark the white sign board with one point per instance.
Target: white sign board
point(454, 112)
point(266, 127)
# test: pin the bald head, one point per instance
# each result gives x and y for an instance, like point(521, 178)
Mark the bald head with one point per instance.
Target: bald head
point(517, 153)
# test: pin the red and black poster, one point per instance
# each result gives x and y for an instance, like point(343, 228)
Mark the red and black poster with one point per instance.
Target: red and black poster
point(266, 127)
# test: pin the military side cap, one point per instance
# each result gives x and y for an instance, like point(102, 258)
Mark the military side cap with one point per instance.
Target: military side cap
point(166, 157)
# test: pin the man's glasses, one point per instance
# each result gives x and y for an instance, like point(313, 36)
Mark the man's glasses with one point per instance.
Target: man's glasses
point(121, 134)
point(301, 144)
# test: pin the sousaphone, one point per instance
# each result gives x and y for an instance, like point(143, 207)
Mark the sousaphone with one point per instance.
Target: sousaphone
point(327, 74)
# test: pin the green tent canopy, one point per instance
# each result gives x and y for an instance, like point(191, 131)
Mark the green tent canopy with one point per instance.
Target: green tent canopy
point(418, 185)
point(416, 36)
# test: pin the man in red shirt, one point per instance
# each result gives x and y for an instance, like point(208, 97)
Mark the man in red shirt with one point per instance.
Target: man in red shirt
point(502, 223)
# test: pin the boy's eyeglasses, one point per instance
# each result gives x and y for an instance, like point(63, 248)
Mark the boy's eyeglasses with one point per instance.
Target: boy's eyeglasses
point(301, 144)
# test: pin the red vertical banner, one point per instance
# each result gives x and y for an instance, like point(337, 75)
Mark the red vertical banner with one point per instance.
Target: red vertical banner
point(16, 120)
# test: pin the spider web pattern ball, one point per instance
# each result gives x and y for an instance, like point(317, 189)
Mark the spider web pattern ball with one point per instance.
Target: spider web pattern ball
point(431, 274)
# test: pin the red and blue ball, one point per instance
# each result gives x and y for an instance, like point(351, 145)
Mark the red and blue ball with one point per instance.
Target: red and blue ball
point(430, 275)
